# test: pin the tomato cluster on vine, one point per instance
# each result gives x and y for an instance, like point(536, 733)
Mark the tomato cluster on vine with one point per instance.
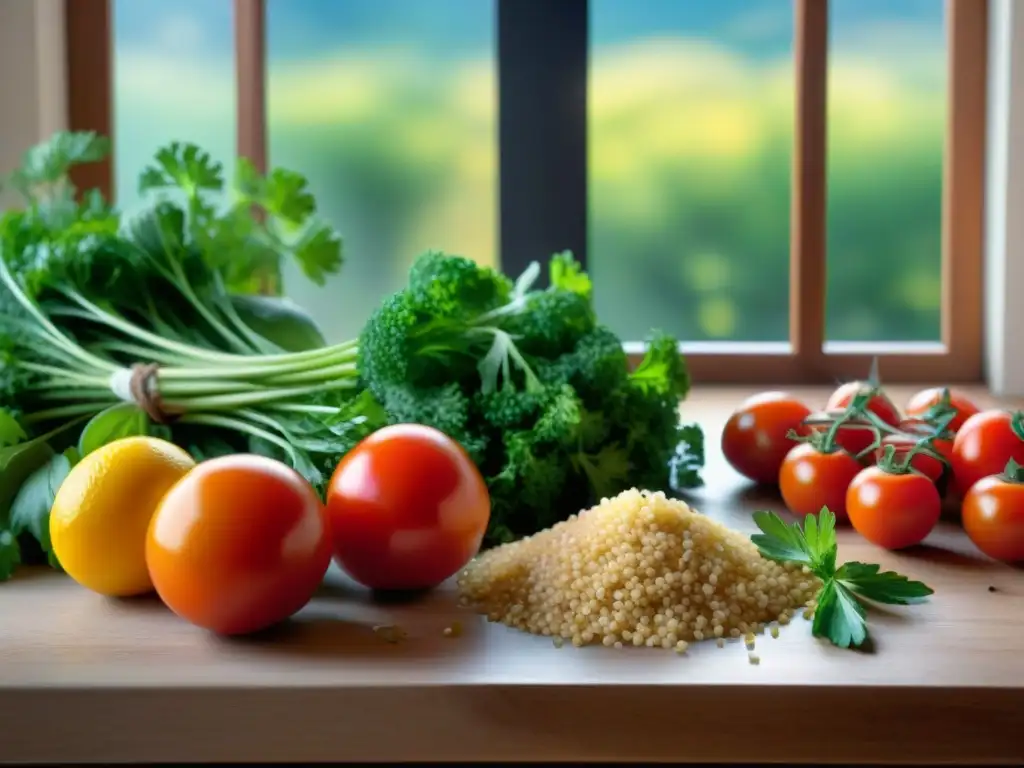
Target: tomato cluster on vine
point(887, 472)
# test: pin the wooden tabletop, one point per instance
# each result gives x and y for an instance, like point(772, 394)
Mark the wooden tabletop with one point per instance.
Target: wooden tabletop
point(86, 678)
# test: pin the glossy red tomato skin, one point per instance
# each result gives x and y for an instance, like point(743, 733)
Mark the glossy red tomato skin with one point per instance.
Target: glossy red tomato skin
point(755, 440)
point(894, 511)
point(983, 446)
point(850, 438)
point(810, 480)
point(239, 544)
point(408, 509)
point(993, 517)
point(926, 465)
point(919, 404)
point(880, 404)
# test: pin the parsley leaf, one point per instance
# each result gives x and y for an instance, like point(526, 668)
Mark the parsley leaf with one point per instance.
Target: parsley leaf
point(48, 163)
point(887, 587)
point(780, 541)
point(184, 166)
point(319, 253)
point(840, 614)
point(820, 535)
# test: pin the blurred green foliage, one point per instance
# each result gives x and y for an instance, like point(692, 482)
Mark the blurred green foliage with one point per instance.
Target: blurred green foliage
point(690, 150)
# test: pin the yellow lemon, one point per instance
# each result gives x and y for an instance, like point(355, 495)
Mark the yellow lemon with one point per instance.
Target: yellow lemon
point(102, 510)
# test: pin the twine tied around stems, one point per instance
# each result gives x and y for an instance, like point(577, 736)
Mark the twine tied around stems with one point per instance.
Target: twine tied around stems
point(138, 385)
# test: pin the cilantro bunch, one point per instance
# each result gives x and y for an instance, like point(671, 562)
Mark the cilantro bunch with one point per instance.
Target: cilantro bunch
point(840, 615)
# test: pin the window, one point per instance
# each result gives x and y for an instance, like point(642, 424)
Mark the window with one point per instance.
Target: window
point(792, 189)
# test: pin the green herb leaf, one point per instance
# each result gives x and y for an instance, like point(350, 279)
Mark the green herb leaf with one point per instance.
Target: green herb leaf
point(185, 166)
point(11, 432)
point(839, 616)
point(820, 536)
point(10, 554)
point(31, 508)
point(319, 253)
point(887, 587)
point(780, 541)
point(49, 162)
point(17, 463)
point(117, 421)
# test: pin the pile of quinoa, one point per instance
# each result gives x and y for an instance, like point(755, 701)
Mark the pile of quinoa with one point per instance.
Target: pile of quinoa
point(638, 569)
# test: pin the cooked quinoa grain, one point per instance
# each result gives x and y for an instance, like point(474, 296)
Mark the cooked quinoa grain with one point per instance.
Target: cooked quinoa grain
point(640, 569)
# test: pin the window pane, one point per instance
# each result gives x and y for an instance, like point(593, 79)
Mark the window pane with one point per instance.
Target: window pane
point(389, 108)
point(174, 80)
point(691, 125)
point(886, 129)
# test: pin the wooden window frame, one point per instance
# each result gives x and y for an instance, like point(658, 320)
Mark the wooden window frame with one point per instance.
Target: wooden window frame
point(542, 65)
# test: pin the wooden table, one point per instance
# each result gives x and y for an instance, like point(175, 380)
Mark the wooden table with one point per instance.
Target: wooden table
point(84, 678)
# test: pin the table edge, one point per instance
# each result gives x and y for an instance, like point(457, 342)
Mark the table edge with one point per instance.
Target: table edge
point(735, 723)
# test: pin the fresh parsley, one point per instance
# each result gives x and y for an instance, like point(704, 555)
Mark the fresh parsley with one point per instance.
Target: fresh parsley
point(841, 613)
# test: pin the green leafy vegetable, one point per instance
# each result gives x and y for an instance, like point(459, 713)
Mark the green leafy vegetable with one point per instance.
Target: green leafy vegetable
point(840, 615)
point(30, 512)
point(112, 326)
point(532, 385)
point(117, 421)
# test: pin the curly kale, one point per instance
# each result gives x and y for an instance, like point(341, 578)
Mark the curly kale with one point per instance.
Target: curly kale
point(532, 385)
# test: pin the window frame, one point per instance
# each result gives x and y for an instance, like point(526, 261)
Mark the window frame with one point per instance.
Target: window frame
point(542, 57)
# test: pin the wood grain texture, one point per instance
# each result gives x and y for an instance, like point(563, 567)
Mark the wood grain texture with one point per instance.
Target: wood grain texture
point(85, 678)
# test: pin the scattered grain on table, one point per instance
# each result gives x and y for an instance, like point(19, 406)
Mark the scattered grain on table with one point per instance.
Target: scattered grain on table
point(642, 569)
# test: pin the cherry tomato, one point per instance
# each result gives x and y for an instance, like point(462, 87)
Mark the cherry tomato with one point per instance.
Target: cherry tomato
point(408, 509)
point(893, 510)
point(238, 544)
point(984, 445)
point(993, 517)
point(754, 440)
point(854, 439)
point(810, 480)
point(923, 463)
point(923, 401)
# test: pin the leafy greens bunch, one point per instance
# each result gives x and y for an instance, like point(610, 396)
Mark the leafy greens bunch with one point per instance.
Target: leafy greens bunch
point(847, 589)
point(113, 326)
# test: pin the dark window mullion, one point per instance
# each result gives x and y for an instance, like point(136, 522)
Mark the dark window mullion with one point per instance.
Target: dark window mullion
point(542, 129)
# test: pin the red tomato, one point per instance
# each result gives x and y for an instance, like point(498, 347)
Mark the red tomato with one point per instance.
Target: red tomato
point(853, 439)
point(408, 509)
point(754, 440)
point(923, 463)
point(922, 402)
point(993, 517)
point(810, 480)
point(238, 544)
point(893, 510)
point(984, 445)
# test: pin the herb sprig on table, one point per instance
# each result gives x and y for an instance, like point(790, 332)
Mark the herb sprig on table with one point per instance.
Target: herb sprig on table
point(840, 614)
point(114, 325)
